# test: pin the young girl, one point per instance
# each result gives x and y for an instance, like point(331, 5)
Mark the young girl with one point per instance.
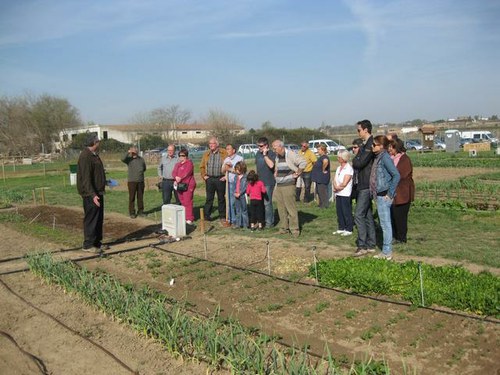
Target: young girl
point(256, 190)
point(240, 197)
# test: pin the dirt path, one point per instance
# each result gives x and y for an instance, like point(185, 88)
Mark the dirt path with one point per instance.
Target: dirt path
point(354, 327)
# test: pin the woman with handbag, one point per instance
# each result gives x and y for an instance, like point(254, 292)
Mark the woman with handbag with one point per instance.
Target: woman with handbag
point(185, 183)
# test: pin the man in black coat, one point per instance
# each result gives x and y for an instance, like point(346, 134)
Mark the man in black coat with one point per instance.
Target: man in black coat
point(363, 215)
point(91, 183)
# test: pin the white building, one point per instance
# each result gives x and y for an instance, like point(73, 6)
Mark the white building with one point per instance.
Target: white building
point(183, 133)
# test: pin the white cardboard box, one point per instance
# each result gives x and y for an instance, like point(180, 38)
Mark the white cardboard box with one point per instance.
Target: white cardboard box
point(173, 220)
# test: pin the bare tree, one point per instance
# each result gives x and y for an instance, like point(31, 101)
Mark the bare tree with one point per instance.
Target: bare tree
point(165, 120)
point(224, 126)
point(14, 126)
point(50, 115)
point(27, 122)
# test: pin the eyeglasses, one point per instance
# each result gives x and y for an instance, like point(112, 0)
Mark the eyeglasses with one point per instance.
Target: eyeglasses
point(375, 144)
point(182, 156)
point(355, 147)
point(261, 145)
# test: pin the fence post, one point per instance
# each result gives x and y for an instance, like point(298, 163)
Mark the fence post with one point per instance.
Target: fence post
point(205, 244)
point(421, 283)
point(268, 259)
point(34, 197)
point(202, 220)
point(315, 264)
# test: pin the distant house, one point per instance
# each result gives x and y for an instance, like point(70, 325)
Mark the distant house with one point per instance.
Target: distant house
point(185, 133)
point(409, 129)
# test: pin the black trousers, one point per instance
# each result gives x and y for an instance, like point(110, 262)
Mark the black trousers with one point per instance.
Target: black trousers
point(167, 189)
point(308, 197)
point(215, 185)
point(256, 211)
point(93, 220)
point(135, 189)
point(399, 218)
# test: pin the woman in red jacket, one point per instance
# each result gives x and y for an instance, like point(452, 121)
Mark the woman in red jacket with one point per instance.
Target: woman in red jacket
point(183, 174)
point(405, 191)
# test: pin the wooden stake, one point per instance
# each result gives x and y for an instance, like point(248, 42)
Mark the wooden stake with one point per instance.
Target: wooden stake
point(202, 220)
point(34, 197)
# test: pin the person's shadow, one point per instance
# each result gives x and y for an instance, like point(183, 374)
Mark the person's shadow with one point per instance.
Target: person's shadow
point(305, 217)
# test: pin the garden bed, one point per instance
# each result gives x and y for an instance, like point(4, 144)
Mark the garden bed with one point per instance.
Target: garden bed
point(354, 327)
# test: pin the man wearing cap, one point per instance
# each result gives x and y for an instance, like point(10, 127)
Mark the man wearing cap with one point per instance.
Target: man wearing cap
point(135, 181)
point(91, 183)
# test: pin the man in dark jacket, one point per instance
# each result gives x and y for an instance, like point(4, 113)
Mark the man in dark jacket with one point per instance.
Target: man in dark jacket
point(363, 215)
point(91, 183)
point(136, 168)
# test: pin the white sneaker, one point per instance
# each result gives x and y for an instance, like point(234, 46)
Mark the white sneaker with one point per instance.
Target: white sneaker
point(339, 232)
point(189, 222)
point(383, 256)
point(346, 233)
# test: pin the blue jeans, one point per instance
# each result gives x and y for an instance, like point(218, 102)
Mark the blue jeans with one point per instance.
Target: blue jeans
point(268, 206)
point(241, 211)
point(363, 218)
point(231, 210)
point(384, 216)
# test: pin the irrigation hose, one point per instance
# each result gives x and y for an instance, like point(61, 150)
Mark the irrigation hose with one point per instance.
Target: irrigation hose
point(116, 242)
point(99, 346)
point(38, 362)
point(378, 299)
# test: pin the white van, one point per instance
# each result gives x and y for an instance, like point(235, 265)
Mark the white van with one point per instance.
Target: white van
point(332, 146)
point(479, 136)
point(248, 149)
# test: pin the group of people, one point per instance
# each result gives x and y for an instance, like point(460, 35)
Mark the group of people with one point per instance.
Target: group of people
point(380, 172)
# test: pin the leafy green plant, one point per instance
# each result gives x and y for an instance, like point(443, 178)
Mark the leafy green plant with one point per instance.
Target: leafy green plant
point(450, 286)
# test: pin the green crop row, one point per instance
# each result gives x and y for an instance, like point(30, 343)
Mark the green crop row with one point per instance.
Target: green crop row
point(484, 159)
point(450, 286)
point(471, 184)
point(222, 343)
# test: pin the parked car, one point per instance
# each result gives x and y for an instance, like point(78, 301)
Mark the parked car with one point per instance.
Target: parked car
point(248, 149)
point(197, 152)
point(413, 144)
point(292, 147)
point(332, 146)
point(439, 144)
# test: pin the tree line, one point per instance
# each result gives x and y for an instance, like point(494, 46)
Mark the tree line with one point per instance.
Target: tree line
point(31, 124)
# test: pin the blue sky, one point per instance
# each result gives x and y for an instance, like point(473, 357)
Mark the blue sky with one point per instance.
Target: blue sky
point(291, 62)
